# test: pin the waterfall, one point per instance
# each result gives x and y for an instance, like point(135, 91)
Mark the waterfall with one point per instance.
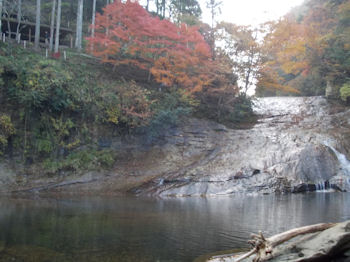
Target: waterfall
point(321, 186)
point(343, 161)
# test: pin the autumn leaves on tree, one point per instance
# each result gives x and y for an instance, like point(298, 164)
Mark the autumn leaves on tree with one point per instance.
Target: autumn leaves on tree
point(299, 54)
point(307, 49)
point(174, 55)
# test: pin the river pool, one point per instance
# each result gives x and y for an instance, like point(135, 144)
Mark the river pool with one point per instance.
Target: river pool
point(150, 229)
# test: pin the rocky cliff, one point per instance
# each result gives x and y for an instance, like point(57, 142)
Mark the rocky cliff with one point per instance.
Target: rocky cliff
point(299, 144)
point(296, 146)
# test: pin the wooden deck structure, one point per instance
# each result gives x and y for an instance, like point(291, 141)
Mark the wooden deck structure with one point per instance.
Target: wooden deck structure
point(27, 31)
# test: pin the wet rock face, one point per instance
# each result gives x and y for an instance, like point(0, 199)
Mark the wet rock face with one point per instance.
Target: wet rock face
point(299, 144)
point(287, 151)
point(316, 163)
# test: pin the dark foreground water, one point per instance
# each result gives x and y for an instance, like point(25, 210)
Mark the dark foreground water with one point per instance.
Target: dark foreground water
point(130, 229)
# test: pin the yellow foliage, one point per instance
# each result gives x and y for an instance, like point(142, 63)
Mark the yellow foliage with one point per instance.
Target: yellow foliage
point(72, 145)
point(113, 115)
point(6, 126)
point(6, 130)
point(269, 79)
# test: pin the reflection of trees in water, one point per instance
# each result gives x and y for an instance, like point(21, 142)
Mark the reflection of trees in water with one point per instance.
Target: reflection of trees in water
point(130, 229)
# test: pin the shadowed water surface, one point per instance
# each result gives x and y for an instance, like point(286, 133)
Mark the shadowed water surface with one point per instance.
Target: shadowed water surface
point(134, 229)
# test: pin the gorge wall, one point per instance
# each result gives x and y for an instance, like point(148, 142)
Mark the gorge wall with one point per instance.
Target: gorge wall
point(299, 144)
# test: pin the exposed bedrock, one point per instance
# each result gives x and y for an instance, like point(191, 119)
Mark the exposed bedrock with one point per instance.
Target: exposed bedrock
point(299, 144)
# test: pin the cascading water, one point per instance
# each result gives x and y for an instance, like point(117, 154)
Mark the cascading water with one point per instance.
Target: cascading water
point(344, 163)
point(321, 186)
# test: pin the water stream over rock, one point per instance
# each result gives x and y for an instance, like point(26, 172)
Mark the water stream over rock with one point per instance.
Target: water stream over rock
point(343, 162)
point(299, 144)
point(284, 152)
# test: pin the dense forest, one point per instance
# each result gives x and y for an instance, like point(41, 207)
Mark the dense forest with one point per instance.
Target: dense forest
point(132, 69)
point(308, 51)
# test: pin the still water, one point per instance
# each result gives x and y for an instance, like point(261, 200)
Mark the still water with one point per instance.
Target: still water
point(133, 229)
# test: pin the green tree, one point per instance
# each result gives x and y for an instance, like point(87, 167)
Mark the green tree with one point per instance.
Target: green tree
point(185, 11)
point(215, 9)
point(6, 130)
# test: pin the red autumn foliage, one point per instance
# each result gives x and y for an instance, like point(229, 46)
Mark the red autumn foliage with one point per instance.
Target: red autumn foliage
point(175, 55)
point(56, 55)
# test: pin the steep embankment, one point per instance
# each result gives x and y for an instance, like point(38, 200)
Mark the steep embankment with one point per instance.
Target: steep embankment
point(299, 144)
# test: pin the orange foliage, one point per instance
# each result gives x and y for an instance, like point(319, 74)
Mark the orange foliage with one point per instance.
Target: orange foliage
point(134, 104)
point(297, 47)
point(175, 55)
point(290, 46)
point(270, 79)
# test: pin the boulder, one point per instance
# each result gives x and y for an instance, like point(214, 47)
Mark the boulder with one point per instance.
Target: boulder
point(332, 244)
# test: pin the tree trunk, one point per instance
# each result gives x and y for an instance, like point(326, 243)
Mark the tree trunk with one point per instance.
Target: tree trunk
point(79, 29)
point(147, 5)
point(93, 22)
point(9, 28)
point(263, 247)
point(163, 9)
point(71, 12)
point(19, 17)
point(52, 26)
point(58, 25)
point(93, 18)
point(1, 16)
point(37, 25)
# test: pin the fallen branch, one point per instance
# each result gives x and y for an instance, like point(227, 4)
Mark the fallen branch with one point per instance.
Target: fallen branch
point(263, 247)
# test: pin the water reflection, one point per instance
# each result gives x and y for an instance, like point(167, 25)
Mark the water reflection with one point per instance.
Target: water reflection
point(129, 229)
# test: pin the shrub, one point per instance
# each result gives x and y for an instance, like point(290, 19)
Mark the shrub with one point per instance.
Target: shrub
point(345, 92)
point(79, 161)
point(6, 130)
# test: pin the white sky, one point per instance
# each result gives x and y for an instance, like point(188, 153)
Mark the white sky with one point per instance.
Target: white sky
point(246, 12)
point(253, 12)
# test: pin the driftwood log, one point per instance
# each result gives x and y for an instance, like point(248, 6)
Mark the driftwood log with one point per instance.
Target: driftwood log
point(263, 248)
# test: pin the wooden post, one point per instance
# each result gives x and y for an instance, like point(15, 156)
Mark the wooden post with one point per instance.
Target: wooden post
point(46, 53)
point(25, 44)
point(64, 55)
